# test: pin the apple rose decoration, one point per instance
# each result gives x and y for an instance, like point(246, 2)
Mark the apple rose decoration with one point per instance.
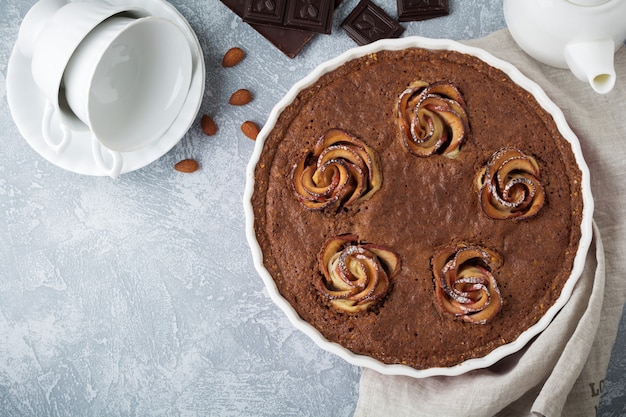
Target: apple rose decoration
point(509, 185)
point(340, 171)
point(432, 119)
point(464, 283)
point(355, 275)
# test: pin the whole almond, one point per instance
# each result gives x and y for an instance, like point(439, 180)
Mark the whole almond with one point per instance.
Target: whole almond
point(250, 129)
point(208, 125)
point(187, 166)
point(232, 57)
point(240, 97)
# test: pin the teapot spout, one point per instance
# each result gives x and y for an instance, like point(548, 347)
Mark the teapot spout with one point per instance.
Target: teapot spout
point(592, 61)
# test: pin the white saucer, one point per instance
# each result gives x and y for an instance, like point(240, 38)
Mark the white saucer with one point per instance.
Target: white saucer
point(27, 105)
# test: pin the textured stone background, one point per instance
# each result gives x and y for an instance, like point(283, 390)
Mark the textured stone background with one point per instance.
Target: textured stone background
point(138, 296)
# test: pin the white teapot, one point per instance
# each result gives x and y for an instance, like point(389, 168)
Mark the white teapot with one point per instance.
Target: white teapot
point(581, 35)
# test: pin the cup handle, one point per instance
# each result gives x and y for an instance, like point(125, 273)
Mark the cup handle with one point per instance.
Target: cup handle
point(66, 133)
point(112, 169)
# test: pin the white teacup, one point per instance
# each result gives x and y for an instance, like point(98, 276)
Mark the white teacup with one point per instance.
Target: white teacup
point(128, 80)
point(51, 37)
point(35, 20)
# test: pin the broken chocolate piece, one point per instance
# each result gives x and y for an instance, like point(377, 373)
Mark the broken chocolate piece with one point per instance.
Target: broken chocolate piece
point(288, 41)
point(368, 23)
point(308, 15)
point(414, 10)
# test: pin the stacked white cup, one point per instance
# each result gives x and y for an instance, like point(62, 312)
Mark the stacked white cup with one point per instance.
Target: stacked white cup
point(110, 69)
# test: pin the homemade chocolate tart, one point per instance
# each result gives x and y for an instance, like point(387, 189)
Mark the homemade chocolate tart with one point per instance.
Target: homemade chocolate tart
point(418, 207)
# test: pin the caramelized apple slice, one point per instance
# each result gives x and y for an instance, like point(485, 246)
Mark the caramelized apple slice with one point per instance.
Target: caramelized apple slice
point(465, 286)
point(314, 196)
point(366, 154)
point(509, 186)
point(340, 171)
point(446, 89)
point(355, 275)
point(432, 119)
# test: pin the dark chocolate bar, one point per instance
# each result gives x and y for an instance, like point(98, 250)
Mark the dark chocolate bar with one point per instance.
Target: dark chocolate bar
point(368, 23)
point(288, 41)
point(414, 10)
point(308, 15)
point(268, 12)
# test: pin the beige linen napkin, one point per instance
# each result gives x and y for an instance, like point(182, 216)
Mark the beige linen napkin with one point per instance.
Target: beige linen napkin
point(561, 371)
